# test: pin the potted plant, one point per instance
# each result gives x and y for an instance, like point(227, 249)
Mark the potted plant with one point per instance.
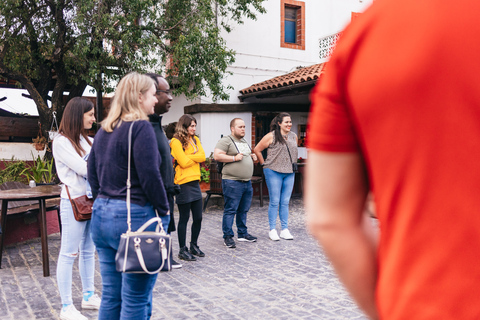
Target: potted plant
point(204, 177)
point(39, 143)
point(205, 173)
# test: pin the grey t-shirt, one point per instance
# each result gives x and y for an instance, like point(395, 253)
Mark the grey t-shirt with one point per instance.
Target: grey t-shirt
point(239, 170)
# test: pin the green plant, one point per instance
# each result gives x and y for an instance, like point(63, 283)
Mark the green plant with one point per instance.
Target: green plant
point(41, 171)
point(12, 171)
point(205, 169)
point(204, 174)
point(49, 175)
point(209, 160)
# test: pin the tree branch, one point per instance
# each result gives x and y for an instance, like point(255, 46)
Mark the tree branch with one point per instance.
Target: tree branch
point(178, 23)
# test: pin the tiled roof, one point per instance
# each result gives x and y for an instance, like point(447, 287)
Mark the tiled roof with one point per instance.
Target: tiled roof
point(311, 73)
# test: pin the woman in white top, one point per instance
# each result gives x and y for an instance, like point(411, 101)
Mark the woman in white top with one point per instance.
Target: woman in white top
point(70, 150)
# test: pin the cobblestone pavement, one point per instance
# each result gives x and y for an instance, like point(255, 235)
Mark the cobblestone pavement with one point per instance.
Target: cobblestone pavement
point(262, 280)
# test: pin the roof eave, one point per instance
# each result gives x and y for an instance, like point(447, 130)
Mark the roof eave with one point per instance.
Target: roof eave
point(268, 92)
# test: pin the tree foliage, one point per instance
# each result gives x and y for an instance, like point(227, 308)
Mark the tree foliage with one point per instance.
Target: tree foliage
point(69, 44)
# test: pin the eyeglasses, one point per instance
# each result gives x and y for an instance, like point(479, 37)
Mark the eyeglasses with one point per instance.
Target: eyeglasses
point(168, 92)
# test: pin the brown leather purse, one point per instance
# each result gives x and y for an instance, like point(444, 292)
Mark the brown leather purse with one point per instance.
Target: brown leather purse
point(82, 207)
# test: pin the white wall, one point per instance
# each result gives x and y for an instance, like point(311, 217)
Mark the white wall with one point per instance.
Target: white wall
point(177, 109)
point(210, 127)
point(259, 55)
point(297, 119)
point(20, 151)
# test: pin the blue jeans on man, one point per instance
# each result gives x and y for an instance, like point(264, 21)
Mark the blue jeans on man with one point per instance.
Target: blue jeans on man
point(238, 198)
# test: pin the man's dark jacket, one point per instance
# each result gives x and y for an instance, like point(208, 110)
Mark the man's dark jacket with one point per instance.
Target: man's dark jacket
point(166, 168)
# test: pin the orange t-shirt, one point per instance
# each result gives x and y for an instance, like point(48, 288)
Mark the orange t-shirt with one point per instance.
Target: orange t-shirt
point(403, 89)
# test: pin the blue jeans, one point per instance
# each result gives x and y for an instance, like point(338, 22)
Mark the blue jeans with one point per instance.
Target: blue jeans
point(124, 295)
point(280, 187)
point(238, 198)
point(75, 238)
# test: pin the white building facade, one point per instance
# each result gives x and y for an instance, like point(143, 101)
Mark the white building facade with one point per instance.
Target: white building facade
point(264, 51)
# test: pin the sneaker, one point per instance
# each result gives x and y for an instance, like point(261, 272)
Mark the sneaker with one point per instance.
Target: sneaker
point(285, 234)
point(92, 303)
point(176, 265)
point(273, 235)
point(228, 241)
point(195, 250)
point(71, 313)
point(247, 238)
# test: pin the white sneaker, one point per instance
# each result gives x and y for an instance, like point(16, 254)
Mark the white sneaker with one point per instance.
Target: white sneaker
point(273, 235)
point(71, 313)
point(92, 303)
point(285, 234)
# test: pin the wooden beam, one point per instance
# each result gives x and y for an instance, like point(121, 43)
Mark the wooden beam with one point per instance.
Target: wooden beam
point(18, 127)
point(246, 107)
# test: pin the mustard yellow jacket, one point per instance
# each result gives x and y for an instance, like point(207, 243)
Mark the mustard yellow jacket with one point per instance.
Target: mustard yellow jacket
point(188, 160)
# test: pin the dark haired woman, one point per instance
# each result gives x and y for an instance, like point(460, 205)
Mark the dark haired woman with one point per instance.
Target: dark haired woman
point(281, 145)
point(188, 154)
point(70, 150)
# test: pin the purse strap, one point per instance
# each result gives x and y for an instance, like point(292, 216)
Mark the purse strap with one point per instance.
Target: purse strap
point(70, 198)
point(129, 217)
point(288, 149)
point(129, 184)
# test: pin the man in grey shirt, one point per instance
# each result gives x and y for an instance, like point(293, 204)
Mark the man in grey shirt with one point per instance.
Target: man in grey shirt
point(238, 159)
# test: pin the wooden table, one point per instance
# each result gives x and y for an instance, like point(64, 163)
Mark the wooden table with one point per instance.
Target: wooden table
point(40, 193)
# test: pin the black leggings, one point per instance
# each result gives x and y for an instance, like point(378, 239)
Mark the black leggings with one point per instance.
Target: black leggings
point(184, 212)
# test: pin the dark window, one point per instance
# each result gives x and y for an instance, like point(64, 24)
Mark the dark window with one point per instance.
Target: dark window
point(290, 25)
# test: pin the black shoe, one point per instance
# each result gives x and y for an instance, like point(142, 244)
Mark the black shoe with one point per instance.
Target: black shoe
point(176, 265)
point(247, 238)
point(185, 255)
point(228, 241)
point(195, 250)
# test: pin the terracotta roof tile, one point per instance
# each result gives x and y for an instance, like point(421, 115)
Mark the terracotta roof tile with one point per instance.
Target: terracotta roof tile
point(301, 75)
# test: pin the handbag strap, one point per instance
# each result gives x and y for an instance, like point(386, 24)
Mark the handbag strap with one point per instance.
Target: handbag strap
point(288, 149)
point(129, 217)
point(70, 198)
point(129, 184)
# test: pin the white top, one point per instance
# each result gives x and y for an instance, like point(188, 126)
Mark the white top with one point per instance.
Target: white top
point(71, 167)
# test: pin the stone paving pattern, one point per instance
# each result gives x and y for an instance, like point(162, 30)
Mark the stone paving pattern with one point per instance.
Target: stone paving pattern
point(261, 280)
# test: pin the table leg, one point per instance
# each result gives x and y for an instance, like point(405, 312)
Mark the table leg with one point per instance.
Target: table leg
point(3, 223)
point(43, 235)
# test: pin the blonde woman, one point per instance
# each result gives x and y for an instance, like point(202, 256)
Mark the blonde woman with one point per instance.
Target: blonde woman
point(188, 154)
point(125, 295)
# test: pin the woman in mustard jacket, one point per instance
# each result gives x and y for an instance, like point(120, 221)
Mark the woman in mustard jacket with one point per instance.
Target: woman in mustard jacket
point(188, 154)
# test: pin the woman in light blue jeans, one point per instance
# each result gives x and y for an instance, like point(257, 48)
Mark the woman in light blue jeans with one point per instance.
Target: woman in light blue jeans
point(70, 149)
point(280, 187)
point(281, 145)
